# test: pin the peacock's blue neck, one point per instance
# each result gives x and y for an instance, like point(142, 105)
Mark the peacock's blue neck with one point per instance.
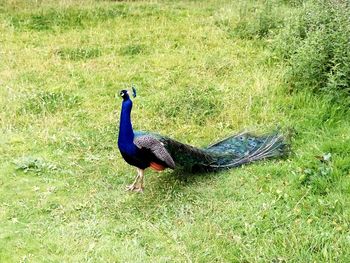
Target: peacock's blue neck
point(126, 133)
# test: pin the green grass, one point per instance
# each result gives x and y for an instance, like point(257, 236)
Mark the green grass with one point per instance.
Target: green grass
point(201, 75)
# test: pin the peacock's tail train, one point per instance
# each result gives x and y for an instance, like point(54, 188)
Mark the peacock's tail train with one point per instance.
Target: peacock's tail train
point(231, 152)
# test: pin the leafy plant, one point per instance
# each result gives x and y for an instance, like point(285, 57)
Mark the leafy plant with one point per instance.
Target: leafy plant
point(33, 164)
point(133, 49)
point(319, 175)
point(79, 53)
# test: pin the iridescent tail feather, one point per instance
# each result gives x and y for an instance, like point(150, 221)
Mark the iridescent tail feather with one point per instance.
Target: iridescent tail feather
point(228, 153)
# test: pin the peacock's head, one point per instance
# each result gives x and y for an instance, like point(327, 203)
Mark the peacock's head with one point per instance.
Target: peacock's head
point(124, 94)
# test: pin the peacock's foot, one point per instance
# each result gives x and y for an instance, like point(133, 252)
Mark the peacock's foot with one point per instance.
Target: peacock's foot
point(131, 187)
point(134, 188)
point(137, 185)
point(138, 190)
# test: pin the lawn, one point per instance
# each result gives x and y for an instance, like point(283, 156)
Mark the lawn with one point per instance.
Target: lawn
point(62, 179)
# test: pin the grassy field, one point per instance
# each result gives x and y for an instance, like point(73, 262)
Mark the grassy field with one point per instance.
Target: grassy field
point(62, 179)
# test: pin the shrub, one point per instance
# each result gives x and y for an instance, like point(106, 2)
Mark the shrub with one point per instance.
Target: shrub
point(316, 46)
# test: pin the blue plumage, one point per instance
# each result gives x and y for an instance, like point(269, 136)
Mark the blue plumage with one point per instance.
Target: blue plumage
point(130, 152)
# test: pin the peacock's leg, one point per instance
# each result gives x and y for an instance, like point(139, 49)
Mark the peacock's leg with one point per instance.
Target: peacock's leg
point(134, 184)
point(141, 181)
point(137, 185)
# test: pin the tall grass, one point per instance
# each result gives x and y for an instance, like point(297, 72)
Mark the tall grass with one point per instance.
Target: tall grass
point(312, 37)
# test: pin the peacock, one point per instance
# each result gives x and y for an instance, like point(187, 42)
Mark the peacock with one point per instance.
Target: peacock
point(146, 149)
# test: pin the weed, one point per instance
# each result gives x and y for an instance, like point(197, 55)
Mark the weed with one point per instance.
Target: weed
point(33, 164)
point(133, 49)
point(78, 53)
point(318, 176)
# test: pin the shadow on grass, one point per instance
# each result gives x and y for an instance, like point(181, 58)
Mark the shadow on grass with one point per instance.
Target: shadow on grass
point(174, 186)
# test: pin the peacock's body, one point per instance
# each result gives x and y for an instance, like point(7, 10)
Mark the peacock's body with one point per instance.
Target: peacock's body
point(144, 149)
